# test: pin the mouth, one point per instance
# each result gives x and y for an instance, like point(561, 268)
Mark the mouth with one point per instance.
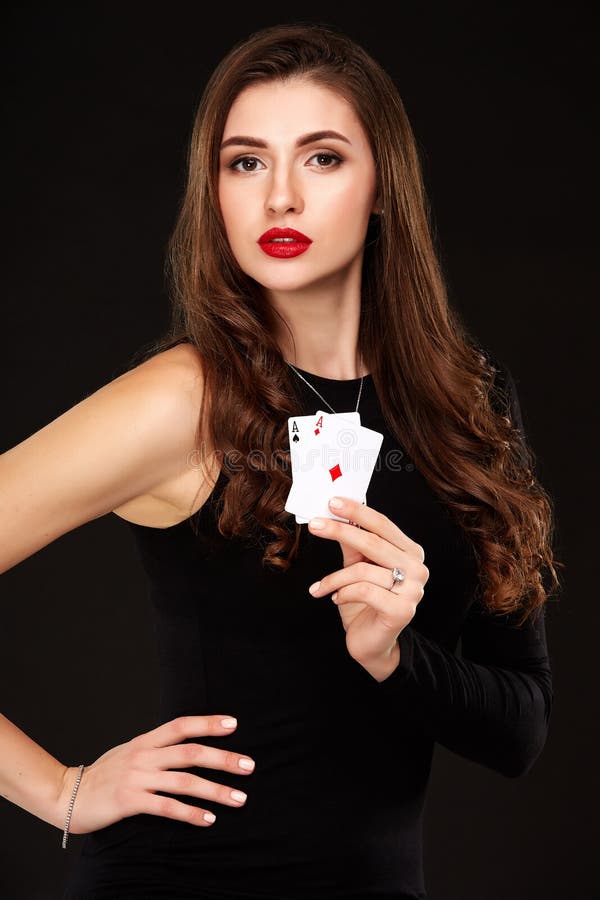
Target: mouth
point(283, 236)
point(284, 243)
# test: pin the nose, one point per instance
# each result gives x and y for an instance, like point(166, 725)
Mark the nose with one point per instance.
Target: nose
point(283, 194)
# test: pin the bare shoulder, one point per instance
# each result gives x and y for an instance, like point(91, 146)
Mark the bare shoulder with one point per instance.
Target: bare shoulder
point(173, 377)
point(125, 448)
point(180, 365)
point(168, 389)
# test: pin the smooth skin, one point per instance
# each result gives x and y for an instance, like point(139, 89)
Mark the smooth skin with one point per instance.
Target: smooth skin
point(126, 777)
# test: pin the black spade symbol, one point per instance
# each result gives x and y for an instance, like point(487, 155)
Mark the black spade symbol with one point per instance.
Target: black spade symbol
point(295, 438)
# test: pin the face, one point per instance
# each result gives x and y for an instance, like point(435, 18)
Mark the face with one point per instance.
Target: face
point(272, 177)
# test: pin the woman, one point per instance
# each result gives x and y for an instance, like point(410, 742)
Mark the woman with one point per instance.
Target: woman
point(333, 644)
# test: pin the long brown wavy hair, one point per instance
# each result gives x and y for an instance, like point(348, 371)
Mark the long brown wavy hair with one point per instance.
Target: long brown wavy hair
point(439, 393)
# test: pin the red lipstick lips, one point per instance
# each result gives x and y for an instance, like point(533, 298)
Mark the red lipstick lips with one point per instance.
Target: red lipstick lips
point(284, 243)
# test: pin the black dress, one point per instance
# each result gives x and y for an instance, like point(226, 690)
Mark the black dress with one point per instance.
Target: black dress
point(335, 804)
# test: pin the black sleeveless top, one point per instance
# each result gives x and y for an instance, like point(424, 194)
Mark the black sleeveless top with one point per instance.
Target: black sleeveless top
point(335, 803)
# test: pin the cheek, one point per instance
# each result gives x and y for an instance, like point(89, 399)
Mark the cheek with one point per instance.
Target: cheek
point(225, 203)
point(347, 220)
point(233, 215)
point(347, 205)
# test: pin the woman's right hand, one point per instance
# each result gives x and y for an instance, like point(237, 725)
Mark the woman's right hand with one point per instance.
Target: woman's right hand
point(123, 780)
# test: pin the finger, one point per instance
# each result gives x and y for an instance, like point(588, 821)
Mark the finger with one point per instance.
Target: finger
point(361, 571)
point(378, 523)
point(394, 613)
point(157, 805)
point(183, 727)
point(182, 756)
point(196, 786)
point(384, 599)
point(375, 548)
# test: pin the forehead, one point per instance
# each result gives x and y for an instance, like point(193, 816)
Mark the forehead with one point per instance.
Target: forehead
point(280, 110)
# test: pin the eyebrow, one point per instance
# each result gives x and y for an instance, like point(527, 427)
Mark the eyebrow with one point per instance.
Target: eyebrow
point(246, 141)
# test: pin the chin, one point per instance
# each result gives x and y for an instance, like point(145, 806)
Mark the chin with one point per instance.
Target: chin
point(296, 274)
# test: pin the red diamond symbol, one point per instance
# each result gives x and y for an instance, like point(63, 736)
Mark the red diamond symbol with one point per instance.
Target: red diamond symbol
point(335, 472)
point(317, 431)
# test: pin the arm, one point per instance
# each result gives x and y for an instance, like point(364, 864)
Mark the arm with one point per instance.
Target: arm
point(493, 705)
point(125, 440)
point(30, 777)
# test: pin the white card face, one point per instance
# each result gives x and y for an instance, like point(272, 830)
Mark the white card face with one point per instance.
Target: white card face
point(343, 471)
point(304, 432)
point(294, 499)
point(337, 457)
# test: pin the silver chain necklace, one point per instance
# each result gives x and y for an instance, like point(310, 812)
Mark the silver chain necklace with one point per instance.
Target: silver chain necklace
point(323, 398)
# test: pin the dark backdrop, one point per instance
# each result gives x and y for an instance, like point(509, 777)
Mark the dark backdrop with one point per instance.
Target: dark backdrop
point(99, 101)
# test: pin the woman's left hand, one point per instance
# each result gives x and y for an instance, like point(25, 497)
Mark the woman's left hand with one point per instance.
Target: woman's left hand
point(373, 615)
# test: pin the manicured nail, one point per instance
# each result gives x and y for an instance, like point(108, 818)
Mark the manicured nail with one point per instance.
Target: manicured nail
point(209, 817)
point(247, 764)
point(314, 587)
point(336, 502)
point(334, 597)
point(316, 523)
point(228, 723)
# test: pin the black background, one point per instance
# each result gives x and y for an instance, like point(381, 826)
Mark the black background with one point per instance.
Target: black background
point(98, 107)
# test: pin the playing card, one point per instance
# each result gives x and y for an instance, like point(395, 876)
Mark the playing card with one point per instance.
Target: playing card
point(337, 457)
point(293, 500)
point(305, 432)
point(344, 470)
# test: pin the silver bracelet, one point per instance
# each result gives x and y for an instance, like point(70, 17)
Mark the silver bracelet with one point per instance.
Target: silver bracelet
point(70, 810)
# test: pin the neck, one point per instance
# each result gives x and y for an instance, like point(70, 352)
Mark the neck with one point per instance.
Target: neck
point(319, 326)
point(332, 369)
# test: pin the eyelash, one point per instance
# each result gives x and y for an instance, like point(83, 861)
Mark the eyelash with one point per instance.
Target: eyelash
point(334, 156)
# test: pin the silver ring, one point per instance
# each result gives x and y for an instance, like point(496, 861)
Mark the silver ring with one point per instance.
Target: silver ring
point(397, 575)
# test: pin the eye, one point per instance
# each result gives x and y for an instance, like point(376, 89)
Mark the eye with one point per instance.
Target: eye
point(333, 157)
point(333, 161)
point(242, 159)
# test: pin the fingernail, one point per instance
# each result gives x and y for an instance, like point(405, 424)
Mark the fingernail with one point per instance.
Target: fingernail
point(247, 764)
point(334, 597)
point(336, 502)
point(316, 523)
point(228, 723)
point(314, 587)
